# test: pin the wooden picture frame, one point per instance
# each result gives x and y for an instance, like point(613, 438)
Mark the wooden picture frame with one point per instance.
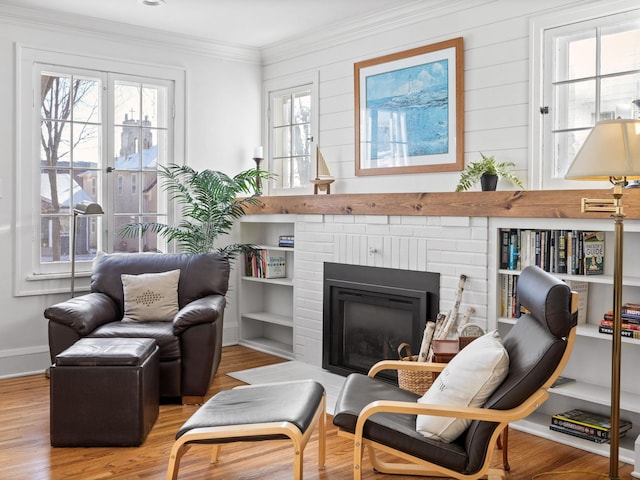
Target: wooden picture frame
point(409, 111)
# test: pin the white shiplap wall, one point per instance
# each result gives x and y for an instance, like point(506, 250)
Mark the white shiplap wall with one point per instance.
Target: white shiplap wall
point(497, 91)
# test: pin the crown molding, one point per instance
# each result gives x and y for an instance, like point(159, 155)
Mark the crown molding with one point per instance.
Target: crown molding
point(362, 27)
point(64, 23)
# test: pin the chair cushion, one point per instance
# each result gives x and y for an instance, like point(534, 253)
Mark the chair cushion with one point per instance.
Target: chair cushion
point(161, 332)
point(393, 430)
point(150, 297)
point(467, 381)
point(293, 402)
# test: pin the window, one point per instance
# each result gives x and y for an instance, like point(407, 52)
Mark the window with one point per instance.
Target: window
point(590, 72)
point(92, 134)
point(291, 133)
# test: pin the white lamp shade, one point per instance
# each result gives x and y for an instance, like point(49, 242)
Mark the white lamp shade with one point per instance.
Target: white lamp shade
point(612, 149)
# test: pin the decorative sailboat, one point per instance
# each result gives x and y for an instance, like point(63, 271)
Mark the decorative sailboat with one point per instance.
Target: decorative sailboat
point(323, 179)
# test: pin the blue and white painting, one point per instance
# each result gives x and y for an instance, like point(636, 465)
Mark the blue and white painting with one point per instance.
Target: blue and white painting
point(407, 113)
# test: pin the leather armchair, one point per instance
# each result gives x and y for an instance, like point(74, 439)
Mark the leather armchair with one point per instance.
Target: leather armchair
point(190, 346)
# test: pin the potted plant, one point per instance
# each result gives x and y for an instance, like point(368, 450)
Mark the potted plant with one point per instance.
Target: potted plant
point(210, 202)
point(487, 171)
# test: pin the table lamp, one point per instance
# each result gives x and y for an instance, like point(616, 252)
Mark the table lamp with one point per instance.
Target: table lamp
point(611, 153)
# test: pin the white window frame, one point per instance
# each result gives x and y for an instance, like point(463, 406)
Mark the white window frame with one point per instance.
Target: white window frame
point(540, 163)
point(30, 276)
point(291, 83)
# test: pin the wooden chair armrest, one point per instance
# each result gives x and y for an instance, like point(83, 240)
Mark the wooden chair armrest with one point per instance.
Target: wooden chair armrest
point(405, 365)
point(474, 413)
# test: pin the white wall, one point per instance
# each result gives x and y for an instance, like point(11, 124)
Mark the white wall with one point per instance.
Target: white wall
point(496, 76)
point(223, 86)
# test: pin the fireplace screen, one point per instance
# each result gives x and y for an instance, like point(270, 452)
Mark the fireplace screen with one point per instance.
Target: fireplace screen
point(370, 311)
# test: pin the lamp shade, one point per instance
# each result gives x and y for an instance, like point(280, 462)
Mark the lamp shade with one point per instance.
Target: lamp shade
point(612, 149)
point(88, 208)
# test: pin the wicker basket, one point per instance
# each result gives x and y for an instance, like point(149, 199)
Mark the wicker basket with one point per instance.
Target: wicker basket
point(414, 381)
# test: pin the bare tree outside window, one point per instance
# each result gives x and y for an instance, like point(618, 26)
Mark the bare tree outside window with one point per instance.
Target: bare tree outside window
point(69, 156)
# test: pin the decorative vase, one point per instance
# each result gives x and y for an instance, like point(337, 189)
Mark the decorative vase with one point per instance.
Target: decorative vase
point(488, 182)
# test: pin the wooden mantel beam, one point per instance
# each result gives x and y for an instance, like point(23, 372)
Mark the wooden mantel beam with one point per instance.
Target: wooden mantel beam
point(518, 203)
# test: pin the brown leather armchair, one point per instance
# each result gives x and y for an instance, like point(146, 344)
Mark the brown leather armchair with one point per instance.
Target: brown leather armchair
point(190, 346)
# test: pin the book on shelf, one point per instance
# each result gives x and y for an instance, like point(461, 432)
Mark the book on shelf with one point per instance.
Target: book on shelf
point(265, 263)
point(626, 318)
point(594, 253)
point(608, 322)
point(572, 252)
point(582, 289)
point(286, 241)
point(625, 332)
point(584, 436)
point(588, 423)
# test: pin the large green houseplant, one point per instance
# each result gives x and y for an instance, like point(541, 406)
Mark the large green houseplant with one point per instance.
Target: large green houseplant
point(487, 167)
point(210, 202)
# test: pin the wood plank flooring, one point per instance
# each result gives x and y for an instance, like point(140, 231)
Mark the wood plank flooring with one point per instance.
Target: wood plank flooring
point(25, 452)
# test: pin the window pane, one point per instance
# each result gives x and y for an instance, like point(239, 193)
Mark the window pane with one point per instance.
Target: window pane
point(54, 238)
point(55, 143)
point(618, 94)
point(126, 102)
point(281, 110)
point(282, 142)
point(87, 145)
point(301, 108)
point(576, 105)
point(88, 240)
point(150, 191)
point(567, 145)
point(575, 56)
point(54, 92)
point(86, 104)
point(301, 135)
point(154, 104)
point(301, 171)
point(620, 49)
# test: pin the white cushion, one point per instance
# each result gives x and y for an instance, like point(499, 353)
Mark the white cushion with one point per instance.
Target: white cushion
point(468, 380)
point(150, 296)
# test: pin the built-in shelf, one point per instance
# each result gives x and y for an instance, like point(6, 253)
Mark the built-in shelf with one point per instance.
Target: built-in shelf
point(266, 304)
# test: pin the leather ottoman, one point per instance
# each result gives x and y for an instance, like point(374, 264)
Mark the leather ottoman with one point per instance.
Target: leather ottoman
point(104, 392)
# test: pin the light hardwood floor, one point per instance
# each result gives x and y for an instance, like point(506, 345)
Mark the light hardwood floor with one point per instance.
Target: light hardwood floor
point(25, 452)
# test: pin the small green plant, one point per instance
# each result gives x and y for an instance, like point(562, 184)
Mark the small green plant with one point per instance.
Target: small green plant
point(475, 170)
point(210, 203)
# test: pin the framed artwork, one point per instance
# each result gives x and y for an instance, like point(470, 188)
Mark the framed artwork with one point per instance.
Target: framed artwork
point(409, 109)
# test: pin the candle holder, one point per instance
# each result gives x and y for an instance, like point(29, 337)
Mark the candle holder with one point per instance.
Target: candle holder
point(258, 161)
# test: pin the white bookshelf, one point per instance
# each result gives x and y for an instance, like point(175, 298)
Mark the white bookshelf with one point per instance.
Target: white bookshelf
point(266, 304)
point(590, 362)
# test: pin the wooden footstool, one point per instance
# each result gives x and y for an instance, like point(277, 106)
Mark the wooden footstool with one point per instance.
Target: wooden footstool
point(257, 412)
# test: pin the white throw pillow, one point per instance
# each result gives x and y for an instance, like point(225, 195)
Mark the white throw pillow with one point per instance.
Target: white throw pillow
point(150, 296)
point(468, 380)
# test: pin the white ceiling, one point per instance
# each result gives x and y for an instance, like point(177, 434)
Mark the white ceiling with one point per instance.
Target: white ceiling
point(251, 23)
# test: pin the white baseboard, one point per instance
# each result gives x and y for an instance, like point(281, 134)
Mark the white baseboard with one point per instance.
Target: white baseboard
point(19, 362)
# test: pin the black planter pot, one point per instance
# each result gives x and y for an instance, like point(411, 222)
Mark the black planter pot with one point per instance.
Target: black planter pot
point(489, 182)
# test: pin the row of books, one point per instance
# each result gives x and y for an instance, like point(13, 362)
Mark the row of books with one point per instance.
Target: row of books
point(587, 425)
point(574, 252)
point(286, 241)
point(509, 307)
point(630, 313)
point(265, 263)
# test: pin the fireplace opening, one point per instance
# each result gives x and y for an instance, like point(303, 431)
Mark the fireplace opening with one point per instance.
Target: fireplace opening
point(369, 312)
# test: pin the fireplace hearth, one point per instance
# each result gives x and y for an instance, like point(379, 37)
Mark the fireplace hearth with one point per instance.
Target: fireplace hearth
point(369, 311)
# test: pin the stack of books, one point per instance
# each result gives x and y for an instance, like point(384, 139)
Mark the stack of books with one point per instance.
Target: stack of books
point(587, 425)
point(630, 321)
point(265, 264)
point(286, 241)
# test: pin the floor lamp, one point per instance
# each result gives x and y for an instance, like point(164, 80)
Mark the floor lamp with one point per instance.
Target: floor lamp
point(611, 152)
point(82, 208)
